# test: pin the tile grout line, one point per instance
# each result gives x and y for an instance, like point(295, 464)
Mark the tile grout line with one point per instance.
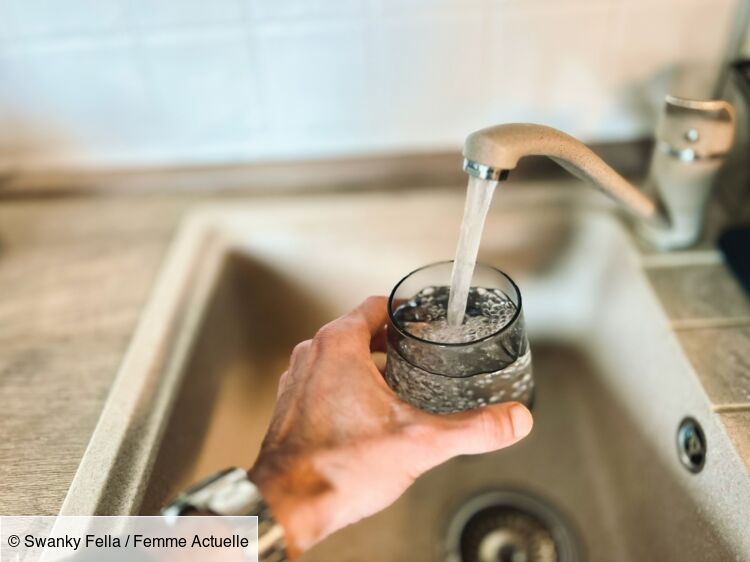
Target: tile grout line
point(731, 408)
point(709, 323)
point(681, 259)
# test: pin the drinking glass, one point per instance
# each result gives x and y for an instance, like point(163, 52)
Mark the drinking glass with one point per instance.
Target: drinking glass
point(444, 369)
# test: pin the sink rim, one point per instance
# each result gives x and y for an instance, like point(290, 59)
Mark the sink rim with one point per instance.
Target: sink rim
point(198, 249)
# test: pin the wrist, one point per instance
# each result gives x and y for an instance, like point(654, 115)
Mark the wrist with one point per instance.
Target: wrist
point(296, 498)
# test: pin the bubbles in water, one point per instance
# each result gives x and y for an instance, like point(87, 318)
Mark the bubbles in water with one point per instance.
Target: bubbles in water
point(493, 366)
point(425, 315)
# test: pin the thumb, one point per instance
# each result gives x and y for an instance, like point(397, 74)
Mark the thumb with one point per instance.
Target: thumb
point(485, 429)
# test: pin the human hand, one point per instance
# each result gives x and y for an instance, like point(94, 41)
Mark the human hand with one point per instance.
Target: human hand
point(341, 444)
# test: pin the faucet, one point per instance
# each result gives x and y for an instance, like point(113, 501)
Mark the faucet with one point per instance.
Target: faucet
point(693, 139)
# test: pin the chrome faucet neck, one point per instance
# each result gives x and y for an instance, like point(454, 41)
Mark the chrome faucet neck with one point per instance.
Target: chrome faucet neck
point(484, 172)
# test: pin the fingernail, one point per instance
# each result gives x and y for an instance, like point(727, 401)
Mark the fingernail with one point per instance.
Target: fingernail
point(522, 421)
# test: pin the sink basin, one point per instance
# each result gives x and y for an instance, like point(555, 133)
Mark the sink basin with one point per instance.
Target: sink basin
point(243, 284)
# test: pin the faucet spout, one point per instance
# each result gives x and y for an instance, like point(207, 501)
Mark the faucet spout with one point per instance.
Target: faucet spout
point(492, 152)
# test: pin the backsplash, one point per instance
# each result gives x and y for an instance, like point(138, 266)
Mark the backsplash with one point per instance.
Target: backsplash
point(159, 82)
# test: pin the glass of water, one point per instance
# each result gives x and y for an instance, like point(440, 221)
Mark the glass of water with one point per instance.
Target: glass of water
point(441, 368)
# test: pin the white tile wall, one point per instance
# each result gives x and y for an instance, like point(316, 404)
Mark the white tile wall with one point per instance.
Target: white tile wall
point(642, 73)
point(268, 10)
point(31, 18)
point(72, 99)
point(551, 65)
point(315, 85)
point(143, 82)
point(204, 91)
point(151, 14)
point(443, 59)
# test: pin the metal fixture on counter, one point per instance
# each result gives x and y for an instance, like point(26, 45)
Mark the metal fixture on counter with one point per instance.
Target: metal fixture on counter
point(693, 139)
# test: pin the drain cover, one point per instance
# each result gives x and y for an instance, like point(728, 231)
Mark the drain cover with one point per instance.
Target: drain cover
point(508, 527)
point(506, 534)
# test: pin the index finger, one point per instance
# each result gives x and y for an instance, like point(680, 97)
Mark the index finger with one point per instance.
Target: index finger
point(374, 312)
point(363, 323)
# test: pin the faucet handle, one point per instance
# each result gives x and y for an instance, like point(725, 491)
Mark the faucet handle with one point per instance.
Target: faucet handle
point(696, 129)
point(693, 139)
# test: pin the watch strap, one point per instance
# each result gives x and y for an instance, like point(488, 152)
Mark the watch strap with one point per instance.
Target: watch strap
point(231, 493)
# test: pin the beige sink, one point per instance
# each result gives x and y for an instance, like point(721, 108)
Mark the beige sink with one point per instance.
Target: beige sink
point(243, 284)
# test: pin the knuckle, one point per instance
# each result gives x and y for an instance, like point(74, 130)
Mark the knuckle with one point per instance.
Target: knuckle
point(328, 331)
point(335, 337)
point(283, 383)
point(301, 347)
point(299, 351)
point(496, 426)
point(323, 338)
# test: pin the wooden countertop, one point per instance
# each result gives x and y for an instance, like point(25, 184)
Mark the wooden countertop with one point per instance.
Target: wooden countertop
point(74, 276)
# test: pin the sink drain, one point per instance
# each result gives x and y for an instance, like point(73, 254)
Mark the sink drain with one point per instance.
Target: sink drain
point(691, 445)
point(502, 526)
